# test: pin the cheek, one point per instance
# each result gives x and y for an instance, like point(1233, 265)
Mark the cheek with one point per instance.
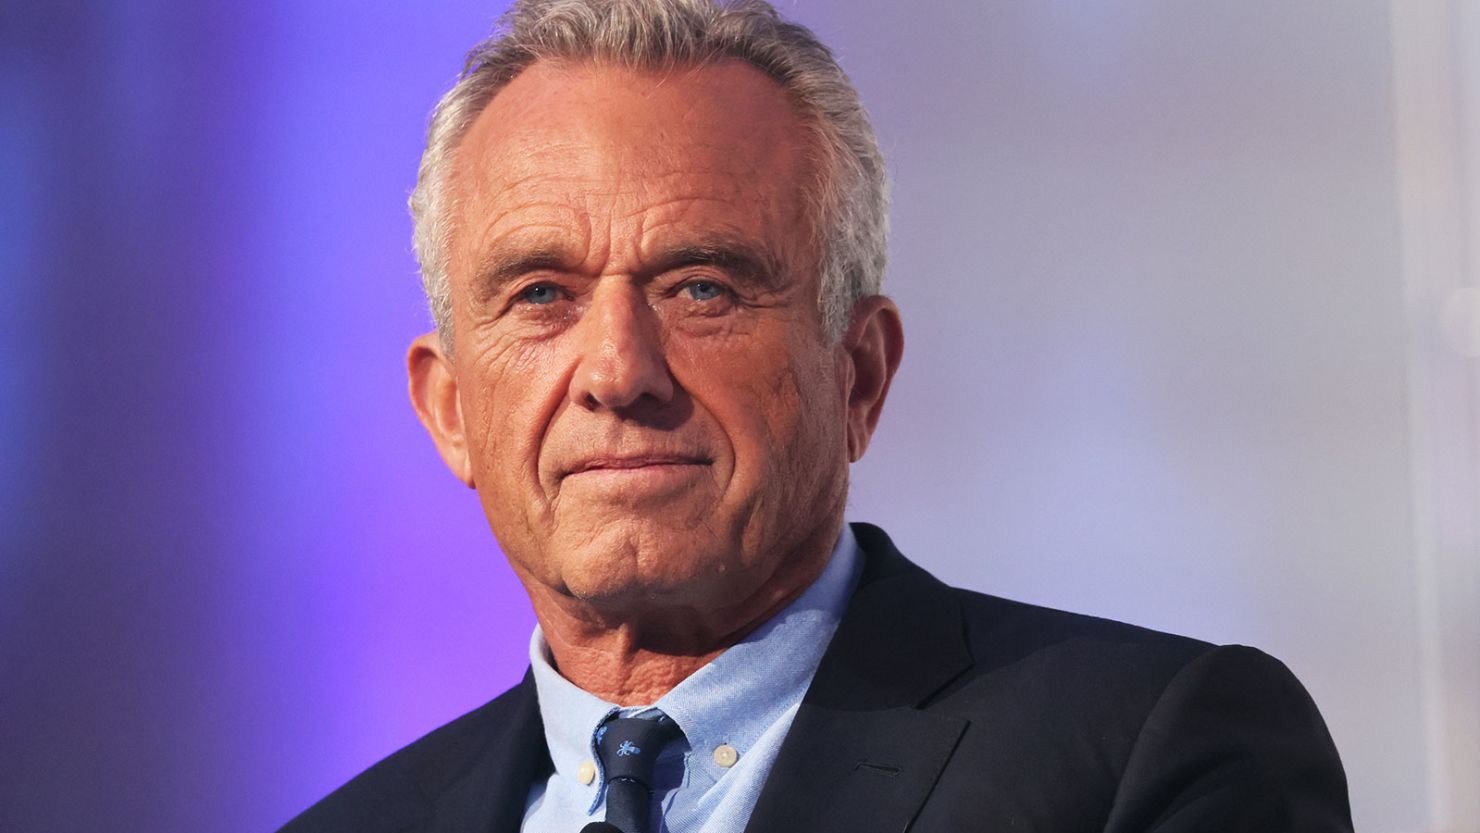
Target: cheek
point(509, 391)
point(817, 429)
point(815, 398)
point(782, 416)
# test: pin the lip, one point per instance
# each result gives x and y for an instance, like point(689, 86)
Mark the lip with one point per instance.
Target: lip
point(636, 463)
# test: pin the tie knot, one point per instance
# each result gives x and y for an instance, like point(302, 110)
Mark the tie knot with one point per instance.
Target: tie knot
point(629, 746)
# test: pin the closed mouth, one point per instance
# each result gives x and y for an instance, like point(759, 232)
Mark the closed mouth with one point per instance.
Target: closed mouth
point(637, 461)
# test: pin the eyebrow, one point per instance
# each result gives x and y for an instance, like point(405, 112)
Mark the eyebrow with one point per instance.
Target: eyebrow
point(744, 262)
point(502, 264)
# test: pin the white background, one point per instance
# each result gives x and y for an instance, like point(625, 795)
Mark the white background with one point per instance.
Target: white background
point(1173, 277)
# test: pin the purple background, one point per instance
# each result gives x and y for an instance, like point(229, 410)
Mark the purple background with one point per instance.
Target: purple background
point(234, 569)
point(1159, 366)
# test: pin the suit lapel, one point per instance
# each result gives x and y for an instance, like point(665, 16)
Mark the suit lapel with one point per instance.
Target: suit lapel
point(855, 771)
point(483, 782)
point(861, 755)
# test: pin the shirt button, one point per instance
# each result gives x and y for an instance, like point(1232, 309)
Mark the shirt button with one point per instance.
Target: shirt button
point(587, 772)
point(725, 755)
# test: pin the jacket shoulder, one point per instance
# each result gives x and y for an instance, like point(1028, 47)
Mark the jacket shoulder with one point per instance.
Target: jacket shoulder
point(1074, 664)
point(1140, 721)
point(1014, 646)
point(402, 788)
point(1002, 630)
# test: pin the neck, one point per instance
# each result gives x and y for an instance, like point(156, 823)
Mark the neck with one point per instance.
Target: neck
point(632, 656)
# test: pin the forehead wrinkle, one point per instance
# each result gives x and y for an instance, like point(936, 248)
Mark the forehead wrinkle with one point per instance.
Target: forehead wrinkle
point(489, 209)
point(509, 235)
point(757, 230)
point(599, 189)
point(506, 260)
point(665, 234)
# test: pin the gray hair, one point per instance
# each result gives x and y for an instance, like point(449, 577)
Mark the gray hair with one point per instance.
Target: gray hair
point(850, 195)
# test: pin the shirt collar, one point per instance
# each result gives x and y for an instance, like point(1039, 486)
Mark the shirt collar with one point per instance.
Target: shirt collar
point(733, 699)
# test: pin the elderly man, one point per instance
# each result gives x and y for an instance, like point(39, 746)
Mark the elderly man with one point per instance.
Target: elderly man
point(652, 235)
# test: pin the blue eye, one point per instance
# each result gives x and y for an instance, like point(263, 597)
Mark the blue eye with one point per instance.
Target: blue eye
point(540, 294)
point(704, 290)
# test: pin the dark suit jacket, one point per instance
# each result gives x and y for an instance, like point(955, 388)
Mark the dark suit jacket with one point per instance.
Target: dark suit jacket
point(937, 709)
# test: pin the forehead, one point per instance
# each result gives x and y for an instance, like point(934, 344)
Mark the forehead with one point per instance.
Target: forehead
point(579, 144)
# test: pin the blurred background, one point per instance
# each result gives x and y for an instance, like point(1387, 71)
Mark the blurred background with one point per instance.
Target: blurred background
point(1191, 299)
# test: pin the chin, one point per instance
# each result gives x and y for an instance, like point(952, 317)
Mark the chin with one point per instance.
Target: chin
point(620, 568)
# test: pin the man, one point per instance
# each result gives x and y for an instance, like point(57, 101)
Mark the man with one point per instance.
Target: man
point(652, 235)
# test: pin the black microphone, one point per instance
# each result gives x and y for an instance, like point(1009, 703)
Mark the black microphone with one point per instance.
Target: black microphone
point(601, 827)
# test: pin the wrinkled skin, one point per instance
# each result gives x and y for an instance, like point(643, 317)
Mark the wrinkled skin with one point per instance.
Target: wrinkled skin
point(640, 387)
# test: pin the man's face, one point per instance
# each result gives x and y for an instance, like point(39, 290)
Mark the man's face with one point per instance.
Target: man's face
point(645, 399)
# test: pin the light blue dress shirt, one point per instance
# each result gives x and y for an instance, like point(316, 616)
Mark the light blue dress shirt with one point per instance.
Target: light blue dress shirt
point(734, 712)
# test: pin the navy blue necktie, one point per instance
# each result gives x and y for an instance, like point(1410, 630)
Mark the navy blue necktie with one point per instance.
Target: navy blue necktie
point(629, 748)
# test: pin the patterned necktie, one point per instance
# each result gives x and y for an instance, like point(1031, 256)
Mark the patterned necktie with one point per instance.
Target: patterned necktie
point(629, 747)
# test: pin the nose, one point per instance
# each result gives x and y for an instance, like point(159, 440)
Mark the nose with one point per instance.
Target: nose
point(621, 361)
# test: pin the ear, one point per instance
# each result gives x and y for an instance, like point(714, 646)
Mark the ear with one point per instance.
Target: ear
point(434, 396)
point(874, 345)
